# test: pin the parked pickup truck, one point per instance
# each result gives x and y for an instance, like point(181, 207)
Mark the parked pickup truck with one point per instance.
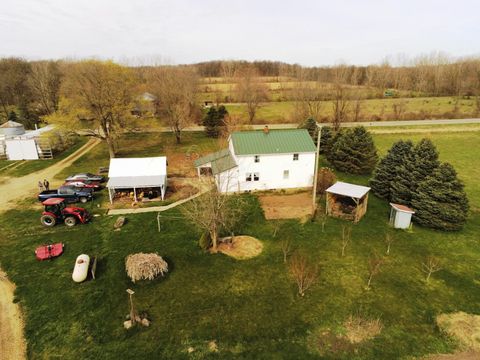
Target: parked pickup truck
point(71, 194)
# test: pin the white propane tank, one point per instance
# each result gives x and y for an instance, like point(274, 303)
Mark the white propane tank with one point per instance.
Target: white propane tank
point(80, 271)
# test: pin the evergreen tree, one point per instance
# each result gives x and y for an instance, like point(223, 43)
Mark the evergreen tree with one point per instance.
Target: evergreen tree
point(12, 116)
point(440, 201)
point(386, 171)
point(354, 151)
point(332, 139)
point(420, 164)
point(326, 139)
point(311, 125)
point(214, 120)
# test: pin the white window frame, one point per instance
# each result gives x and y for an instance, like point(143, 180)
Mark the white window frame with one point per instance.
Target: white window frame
point(286, 174)
point(295, 157)
point(256, 158)
point(256, 176)
point(248, 177)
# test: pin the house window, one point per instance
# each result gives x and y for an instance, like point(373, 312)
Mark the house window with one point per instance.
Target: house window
point(286, 174)
point(256, 176)
point(257, 158)
point(295, 157)
point(248, 176)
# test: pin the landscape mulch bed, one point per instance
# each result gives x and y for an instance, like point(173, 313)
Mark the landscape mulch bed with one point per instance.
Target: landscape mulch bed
point(280, 206)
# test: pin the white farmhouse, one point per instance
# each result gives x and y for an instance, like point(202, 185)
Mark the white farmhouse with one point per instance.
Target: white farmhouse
point(262, 160)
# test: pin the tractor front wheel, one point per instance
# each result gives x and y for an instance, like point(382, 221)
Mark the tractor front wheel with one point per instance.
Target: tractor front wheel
point(70, 221)
point(48, 220)
point(83, 199)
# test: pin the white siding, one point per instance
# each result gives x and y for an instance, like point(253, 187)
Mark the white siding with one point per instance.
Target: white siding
point(271, 170)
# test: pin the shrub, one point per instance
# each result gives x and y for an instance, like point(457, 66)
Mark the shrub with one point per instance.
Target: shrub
point(205, 242)
point(326, 178)
point(145, 266)
point(60, 140)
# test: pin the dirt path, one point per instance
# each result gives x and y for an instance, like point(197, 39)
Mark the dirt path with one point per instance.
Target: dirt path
point(12, 342)
point(21, 187)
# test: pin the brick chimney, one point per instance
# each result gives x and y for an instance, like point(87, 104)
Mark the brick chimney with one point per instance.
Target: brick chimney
point(266, 130)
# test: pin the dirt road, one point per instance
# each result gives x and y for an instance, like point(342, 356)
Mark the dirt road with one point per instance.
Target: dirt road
point(21, 187)
point(12, 342)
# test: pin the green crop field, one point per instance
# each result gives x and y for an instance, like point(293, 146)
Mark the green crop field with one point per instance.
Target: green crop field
point(249, 308)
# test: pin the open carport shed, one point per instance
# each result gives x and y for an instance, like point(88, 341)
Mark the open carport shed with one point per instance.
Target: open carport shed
point(347, 201)
point(137, 173)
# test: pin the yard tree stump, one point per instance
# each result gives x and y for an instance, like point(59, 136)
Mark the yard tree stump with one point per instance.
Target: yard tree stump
point(119, 223)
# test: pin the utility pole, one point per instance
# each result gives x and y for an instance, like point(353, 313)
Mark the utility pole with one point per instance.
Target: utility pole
point(315, 177)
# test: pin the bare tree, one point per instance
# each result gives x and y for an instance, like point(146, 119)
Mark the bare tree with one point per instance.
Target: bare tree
point(303, 272)
point(374, 264)
point(389, 239)
point(286, 249)
point(340, 99)
point(45, 81)
point(176, 89)
point(346, 237)
point(14, 89)
point(100, 92)
point(214, 213)
point(430, 266)
point(308, 98)
point(399, 108)
point(250, 90)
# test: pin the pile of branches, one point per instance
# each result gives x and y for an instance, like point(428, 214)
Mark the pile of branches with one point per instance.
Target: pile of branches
point(145, 266)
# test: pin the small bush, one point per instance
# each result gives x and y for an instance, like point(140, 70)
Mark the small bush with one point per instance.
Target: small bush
point(60, 140)
point(205, 242)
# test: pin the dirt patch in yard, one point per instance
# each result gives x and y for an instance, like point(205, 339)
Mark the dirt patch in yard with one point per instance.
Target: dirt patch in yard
point(280, 206)
point(241, 247)
point(12, 344)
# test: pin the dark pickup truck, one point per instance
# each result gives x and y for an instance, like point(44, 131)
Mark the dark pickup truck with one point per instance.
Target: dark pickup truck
point(71, 194)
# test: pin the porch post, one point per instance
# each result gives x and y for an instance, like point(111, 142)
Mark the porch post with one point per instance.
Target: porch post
point(135, 194)
point(110, 195)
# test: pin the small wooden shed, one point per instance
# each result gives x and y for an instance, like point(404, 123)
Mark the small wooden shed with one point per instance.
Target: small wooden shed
point(400, 216)
point(347, 201)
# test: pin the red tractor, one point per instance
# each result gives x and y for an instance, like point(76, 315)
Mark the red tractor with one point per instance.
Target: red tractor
point(56, 211)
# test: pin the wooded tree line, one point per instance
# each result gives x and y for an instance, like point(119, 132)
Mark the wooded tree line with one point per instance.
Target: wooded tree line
point(433, 75)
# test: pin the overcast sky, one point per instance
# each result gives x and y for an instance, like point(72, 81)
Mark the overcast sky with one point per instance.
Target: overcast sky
point(186, 31)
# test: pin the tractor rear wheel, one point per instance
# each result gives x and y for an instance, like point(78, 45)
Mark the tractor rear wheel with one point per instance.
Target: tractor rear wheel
point(70, 221)
point(48, 220)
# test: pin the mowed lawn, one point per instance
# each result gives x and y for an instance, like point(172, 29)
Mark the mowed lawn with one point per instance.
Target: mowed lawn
point(249, 308)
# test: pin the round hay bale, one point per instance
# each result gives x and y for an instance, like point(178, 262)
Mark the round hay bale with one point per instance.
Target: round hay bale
point(241, 247)
point(145, 266)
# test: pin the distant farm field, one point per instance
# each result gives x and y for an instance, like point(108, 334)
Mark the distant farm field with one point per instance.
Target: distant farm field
point(371, 110)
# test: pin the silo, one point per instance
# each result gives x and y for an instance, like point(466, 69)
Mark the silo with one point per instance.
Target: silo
point(11, 129)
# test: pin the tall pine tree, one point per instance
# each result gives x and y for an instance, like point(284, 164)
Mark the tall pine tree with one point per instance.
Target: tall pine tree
point(354, 151)
point(440, 201)
point(214, 120)
point(421, 163)
point(386, 171)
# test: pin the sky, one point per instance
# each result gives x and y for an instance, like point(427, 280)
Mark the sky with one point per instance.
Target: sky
point(311, 33)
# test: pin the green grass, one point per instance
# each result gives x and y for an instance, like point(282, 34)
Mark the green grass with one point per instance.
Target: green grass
point(30, 166)
point(415, 108)
point(250, 308)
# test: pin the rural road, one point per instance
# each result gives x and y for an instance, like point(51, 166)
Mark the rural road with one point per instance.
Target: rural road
point(12, 343)
point(392, 123)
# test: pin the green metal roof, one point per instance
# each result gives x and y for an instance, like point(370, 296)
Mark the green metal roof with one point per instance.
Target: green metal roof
point(221, 161)
point(287, 141)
